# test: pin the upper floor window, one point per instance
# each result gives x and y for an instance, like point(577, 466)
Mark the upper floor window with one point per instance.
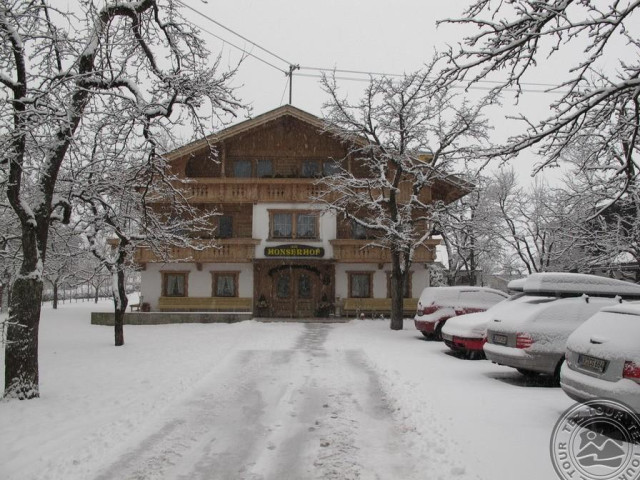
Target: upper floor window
point(225, 226)
point(310, 168)
point(358, 231)
point(306, 225)
point(330, 167)
point(264, 168)
point(242, 168)
point(294, 225)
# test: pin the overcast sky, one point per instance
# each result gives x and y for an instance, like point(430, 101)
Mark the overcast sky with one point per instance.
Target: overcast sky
point(362, 35)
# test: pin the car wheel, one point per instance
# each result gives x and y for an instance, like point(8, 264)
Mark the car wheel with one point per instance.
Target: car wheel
point(438, 334)
point(427, 335)
point(475, 355)
point(556, 374)
point(527, 373)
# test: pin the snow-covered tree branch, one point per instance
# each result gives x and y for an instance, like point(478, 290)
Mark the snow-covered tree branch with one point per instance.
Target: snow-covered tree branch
point(140, 55)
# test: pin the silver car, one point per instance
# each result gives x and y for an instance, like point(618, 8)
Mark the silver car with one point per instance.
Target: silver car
point(603, 357)
point(531, 335)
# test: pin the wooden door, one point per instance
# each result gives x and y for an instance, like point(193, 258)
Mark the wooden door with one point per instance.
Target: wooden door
point(295, 293)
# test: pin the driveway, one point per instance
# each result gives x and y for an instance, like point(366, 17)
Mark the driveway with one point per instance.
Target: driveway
point(307, 412)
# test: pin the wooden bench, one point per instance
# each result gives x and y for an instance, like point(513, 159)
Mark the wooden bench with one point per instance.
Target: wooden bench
point(136, 306)
point(376, 306)
point(205, 304)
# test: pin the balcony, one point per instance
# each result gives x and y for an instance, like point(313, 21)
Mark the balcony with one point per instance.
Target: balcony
point(250, 190)
point(357, 251)
point(265, 190)
point(231, 250)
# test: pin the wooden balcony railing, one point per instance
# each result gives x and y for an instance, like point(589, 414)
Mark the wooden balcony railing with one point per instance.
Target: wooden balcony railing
point(357, 251)
point(253, 190)
point(229, 250)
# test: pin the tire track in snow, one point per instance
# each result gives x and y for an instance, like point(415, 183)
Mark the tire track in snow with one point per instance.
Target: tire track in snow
point(305, 413)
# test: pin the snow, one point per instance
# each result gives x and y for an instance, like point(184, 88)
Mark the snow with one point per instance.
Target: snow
point(461, 297)
point(579, 283)
point(471, 325)
point(430, 414)
point(615, 329)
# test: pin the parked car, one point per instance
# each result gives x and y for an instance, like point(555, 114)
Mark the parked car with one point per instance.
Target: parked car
point(531, 335)
point(467, 333)
point(437, 304)
point(603, 357)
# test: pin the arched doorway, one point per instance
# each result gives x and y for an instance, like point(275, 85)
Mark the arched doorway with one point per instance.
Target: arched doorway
point(295, 290)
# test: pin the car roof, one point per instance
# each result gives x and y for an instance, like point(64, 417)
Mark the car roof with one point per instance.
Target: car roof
point(628, 308)
point(554, 282)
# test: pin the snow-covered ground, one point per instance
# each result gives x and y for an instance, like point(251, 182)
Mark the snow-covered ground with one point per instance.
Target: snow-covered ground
point(269, 401)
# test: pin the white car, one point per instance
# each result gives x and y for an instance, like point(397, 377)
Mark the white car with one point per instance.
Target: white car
point(603, 357)
point(531, 335)
point(438, 304)
point(467, 333)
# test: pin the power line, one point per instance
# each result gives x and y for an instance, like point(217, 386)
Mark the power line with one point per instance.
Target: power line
point(379, 74)
point(460, 87)
point(292, 67)
point(234, 32)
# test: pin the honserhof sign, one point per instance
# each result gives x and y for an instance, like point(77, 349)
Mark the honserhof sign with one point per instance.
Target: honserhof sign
point(304, 251)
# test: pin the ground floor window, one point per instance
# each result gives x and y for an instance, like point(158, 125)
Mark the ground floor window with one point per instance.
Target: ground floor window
point(360, 284)
point(407, 286)
point(225, 284)
point(175, 284)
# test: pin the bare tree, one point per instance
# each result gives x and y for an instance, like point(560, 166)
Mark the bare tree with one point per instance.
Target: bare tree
point(535, 223)
point(510, 39)
point(53, 64)
point(117, 188)
point(402, 137)
point(606, 224)
point(64, 251)
point(468, 228)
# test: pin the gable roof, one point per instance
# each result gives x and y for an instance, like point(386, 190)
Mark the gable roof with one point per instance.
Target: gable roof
point(248, 125)
point(459, 187)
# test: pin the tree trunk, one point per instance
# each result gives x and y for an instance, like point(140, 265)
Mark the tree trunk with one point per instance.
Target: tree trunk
point(55, 295)
point(120, 302)
point(397, 293)
point(97, 295)
point(21, 349)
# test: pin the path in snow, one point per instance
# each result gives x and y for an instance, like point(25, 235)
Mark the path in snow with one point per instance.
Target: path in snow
point(306, 413)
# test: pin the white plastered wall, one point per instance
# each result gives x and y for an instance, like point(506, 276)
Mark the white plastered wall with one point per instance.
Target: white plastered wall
point(420, 278)
point(326, 226)
point(200, 281)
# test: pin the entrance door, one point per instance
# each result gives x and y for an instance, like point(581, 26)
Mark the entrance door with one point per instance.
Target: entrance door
point(295, 293)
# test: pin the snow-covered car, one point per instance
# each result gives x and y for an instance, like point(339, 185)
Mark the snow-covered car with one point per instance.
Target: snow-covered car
point(437, 304)
point(531, 335)
point(603, 357)
point(467, 333)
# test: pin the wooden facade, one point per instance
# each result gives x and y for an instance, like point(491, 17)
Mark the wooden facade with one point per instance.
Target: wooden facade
point(289, 258)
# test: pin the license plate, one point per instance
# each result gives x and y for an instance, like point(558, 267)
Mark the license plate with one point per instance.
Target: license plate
point(591, 363)
point(499, 339)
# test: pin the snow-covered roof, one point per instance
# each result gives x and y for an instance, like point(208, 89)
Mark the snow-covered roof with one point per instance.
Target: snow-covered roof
point(579, 283)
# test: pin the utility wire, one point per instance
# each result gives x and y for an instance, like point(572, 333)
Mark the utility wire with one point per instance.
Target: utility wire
point(235, 33)
point(336, 70)
point(460, 87)
point(379, 74)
